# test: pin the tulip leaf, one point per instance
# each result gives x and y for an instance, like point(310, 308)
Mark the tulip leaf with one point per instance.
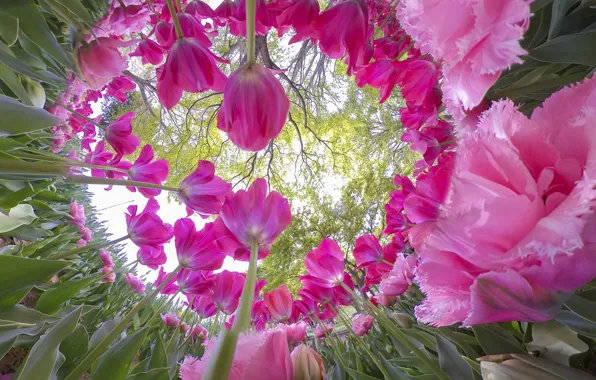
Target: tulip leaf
point(19, 215)
point(19, 274)
point(495, 340)
point(18, 118)
point(560, 8)
point(582, 307)
point(571, 48)
point(8, 58)
point(451, 361)
point(103, 331)
point(578, 324)
point(115, 363)
point(154, 374)
point(159, 358)
point(76, 344)
point(14, 83)
point(41, 361)
point(174, 353)
point(359, 375)
point(563, 371)
point(51, 300)
point(33, 24)
point(556, 341)
point(396, 373)
point(9, 29)
point(140, 367)
point(74, 7)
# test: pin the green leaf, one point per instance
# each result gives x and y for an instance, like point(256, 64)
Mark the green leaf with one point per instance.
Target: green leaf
point(18, 118)
point(154, 374)
point(570, 48)
point(51, 300)
point(581, 325)
point(19, 215)
point(396, 373)
point(115, 363)
point(359, 375)
point(14, 83)
point(174, 354)
point(582, 307)
point(76, 344)
point(539, 4)
point(451, 361)
point(52, 196)
point(20, 273)
point(556, 341)
point(159, 358)
point(563, 371)
point(28, 250)
point(464, 341)
point(9, 29)
point(495, 340)
point(560, 8)
point(76, 8)
point(473, 364)
point(103, 331)
point(34, 25)
point(16, 64)
point(40, 362)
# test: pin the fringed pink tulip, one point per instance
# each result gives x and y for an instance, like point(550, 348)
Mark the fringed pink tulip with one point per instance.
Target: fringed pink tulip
point(170, 320)
point(325, 264)
point(307, 364)
point(203, 191)
point(249, 122)
point(149, 51)
point(197, 250)
point(135, 283)
point(100, 61)
point(400, 277)
point(86, 233)
point(258, 356)
point(144, 169)
point(195, 282)
point(362, 323)
point(251, 215)
point(105, 258)
point(147, 228)
point(279, 302)
point(227, 289)
point(120, 137)
point(151, 256)
point(77, 214)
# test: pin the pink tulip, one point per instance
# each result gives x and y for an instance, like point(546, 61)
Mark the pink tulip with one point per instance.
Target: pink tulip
point(296, 333)
point(264, 19)
point(315, 292)
point(135, 283)
point(514, 268)
point(147, 228)
point(229, 323)
point(81, 242)
point(170, 287)
point(367, 251)
point(151, 256)
point(144, 170)
point(225, 11)
point(259, 285)
point(99, 156)
point(124, 20)
point(342, 29)
point(325, 264)
point(86, 233)
point(362, 323)
point(119, 86)
point(170, 320)
point(119, 135)
point(109, 274)
point(204, 306)
point(197, 250)
point(307, 364)
point(149, 51)
point(400, 277)
point(417, 79)
point(195, 282)
point(190, 67)
point(165, 34)
point(279, 303)
point(77, 214)
point(192, 28)
point(200, 10)
point(251, 215)
point(199, 332)
point(306, 306)
point(258, 356)
point(250, 123)
point(100, 61)
point(105, 258)
point(322, 333)
point(227, 289)
point(342, 296)
point(386, 300)
point(299, 14)
point(381, 74)
point(203, 191)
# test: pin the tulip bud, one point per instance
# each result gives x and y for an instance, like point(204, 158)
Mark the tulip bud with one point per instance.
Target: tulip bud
point(307, 364)
point(36, 92)
point(402, 319)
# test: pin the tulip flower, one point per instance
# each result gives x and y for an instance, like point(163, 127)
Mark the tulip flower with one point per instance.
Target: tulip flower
point(322, 333)
point(100, 60)
point(151, 256)
point(325, 264)
point(165, 34)
point(306, 306)
point(296, 332)
point(194, 282)
point(203, 191)
point(264, 19)
point(362, 323)
point(170, 319)
point(199, 332)
point(191, 28)
point(144, 170)
point(250, 122)
point(149, 51)
point(300, 14)
point(279, 303)
point(251, 216)
point(225, 11)
point(200, 10)
point(119, 86)
point(147, 228)
point(204, 306)
point(367, 251)
point(260, 315)
point(307, 364)
point(170, 287)
point(120, 137)
point(315, 292)
point(226, 290)
point(86, 233)
point(109, 274)
point(197, 250)
point(105, 258)
point(400, 277)
point(77, 214)
point(99, 156)
point(135, 283)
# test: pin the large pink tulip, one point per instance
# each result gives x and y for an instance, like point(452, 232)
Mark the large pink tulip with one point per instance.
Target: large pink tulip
point(197, 250)
point(279, 302)
point(227, 289)
point(119, 135)
point(147, 228)
point(203, 191)
point(100, 61)
point(325, 264)
point(144, 169)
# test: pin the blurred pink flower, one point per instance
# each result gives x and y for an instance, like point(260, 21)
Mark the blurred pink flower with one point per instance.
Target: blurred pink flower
point(105, 258)
point(81, 242)
point(197, 250)
point(135, 283)
point(149, 51)
point(361, 323)
point(200, 332)
point(99, 156)
point(125, 20)
point(320, 333)
point(192, 28)
point(204, 306)
point(144, 170)
point(296, 332)
point(119, 135)
point(195, 282)
point(279, 302)
point(386, 300)
point(307, 364)
point(227, 289)
point(151, 256)
point(400, 277)
point(77, 214)
point(248, 215)
point(170, 287)
point(306, 306)
point(111, 277)
point(119, 86)
point(86, 233)
point(147, 228)
point(170, 319)
point(250, 123)
point(252, 352)
point(325, 264)
point(481, 265)
point(100, 61)
point(203, 191)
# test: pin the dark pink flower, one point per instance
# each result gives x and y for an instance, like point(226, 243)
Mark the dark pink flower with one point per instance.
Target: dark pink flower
point(203, 191)
point(227, 289)
point(264, 19)
point(296, 332)
point(260, 315)
point(380, 74)
point(99, 156)
point(199, 332)
point(191, 67)
point(340, 295)
point(367, 251)
point(149, 51)
point(77, 214)
point(417, 79)
point(400, 277)
point(320, 333)
point(313, 291)
point(194, 282)
point(325, 264)
point(299, 14)
point(204, 306)
point(120, 137)
point(165, 34)
point(170, 287)
point(147, 228)
point(105, 258)
point(108, 274)
point(151, 256)
point(100, 61)
point(192, 28)
point(279, 302)
point(144, 170)
point(197, 250)
point(306, 306)
point(361, 323)
point(200, 10)
point(119, 86)
point(86, 233)
point(250, 123)
point(225, 11)
point(251, 215)
point(170, 320)
point(135, 283)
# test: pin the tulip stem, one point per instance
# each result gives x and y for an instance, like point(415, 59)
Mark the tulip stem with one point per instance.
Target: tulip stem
point(180, 322)
point(117, 182)
point(81, 116)
point(175, 19)
point(95, 245)
point(102, 346)
point(251, 11)
point(220, 362)
point(91, 166)
point(214, 324)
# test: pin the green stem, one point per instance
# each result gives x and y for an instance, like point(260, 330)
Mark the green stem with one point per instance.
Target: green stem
point(175, 19)
point(78, 250)
point(539, 86)
point(118, 182)
point(220, 362)
point(102, 346)
point(162, 307)
point(214, 324)
point(32, 168)
point(179, 324)
point(330, 340)
point(86, 165)
point(81, 116)
point(251, 11)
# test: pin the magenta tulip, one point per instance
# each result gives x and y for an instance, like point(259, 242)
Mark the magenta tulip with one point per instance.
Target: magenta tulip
point(325, 264)
point(170, 320)
point(135, 283)
point(77, 214)
point(197, 250)
point(227, 289)
point(149, 51)
point(147, 228)
point(362, 323)
point(367, 251)
point(120, 137)
point(296, 332)
point(144, 170)
point(170, 287)
point(100, 61)
point(195, 282)
point(279, 302)
point(203, 191)
point(119, 86)
point(203, 305)
point(152, 257)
